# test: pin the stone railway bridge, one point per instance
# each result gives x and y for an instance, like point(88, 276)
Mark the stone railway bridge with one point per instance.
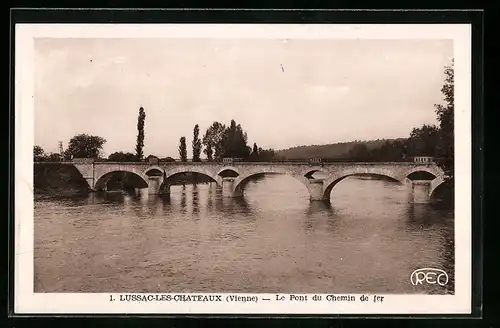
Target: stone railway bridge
point(157, 175)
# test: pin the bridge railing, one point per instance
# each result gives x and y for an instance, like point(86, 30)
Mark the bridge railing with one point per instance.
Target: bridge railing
point(244, 162)
point(53, 162)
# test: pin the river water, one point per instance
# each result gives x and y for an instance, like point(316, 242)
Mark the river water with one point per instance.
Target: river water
point(369, 239)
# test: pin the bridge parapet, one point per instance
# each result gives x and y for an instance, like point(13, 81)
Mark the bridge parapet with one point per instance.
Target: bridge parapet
point(257, 163)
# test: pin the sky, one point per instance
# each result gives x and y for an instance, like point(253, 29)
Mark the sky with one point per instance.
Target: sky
point(284, 93)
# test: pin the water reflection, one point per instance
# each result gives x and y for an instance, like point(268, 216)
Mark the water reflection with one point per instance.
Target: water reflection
point(319, 208)
point(210, 196)
point(183, 199)
point(318, 214)
point(419, 215)
point(237, 206)
point(272, 239)
point(423, 216)
point(196, 202)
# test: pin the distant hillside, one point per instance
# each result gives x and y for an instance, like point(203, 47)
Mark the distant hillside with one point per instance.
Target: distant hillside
point(331, 151)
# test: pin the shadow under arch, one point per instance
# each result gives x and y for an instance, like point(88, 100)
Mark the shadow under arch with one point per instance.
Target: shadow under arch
point(421, 175)
point(309, 172)
point(125, 178)
point(442, 191)
point(233, 171)
point(228, 173)
point(429, 171)
point(184, 178)
point(200, 170)
point(154, 171)
point(330, 183)
point(242, 181)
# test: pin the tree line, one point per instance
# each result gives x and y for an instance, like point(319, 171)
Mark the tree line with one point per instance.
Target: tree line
point(423, 141)
point(220, 141)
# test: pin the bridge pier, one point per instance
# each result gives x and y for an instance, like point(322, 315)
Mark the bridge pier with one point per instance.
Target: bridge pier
point(421, 191)
point(90, 182)
point(154, 184)
point(316, 192)
point(228, 188)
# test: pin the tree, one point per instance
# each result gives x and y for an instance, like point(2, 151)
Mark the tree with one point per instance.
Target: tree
point(209, 152)
point(445, 115)
point(423, 141)
point(235, 142)
point(121, 157)
point(167, 159)
point(84, 146)
point(255, 150)
point(54, 157)
point(398, 151)
point(140, 134)
point(196, 144)
point(38, 154)
point(359, 152)
point(183, 149)
point(254, 153)
point(384, 153)
point(265, 155)
point(213, 140)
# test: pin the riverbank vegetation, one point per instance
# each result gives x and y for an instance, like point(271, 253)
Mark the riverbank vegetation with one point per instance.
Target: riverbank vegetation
point(58, 180)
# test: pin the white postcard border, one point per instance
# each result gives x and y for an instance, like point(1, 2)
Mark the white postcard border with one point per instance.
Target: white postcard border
point(26, 301)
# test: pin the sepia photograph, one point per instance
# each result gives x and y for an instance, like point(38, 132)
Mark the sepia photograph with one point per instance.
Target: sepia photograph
point(245, 165)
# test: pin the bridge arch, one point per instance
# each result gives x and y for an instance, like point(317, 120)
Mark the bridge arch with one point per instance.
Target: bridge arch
point(435, 171)
point(241, 181)
point(102, 180)
point(435, 184)
point(154, 168)
point(207, 171)
point(308, 172)
point(228, 169)
point(333, 180)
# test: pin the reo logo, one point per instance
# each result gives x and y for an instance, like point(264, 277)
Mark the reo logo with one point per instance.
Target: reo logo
point(430, 276)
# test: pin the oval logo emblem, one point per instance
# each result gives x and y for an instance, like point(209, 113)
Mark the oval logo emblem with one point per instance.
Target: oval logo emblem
point(429, 276)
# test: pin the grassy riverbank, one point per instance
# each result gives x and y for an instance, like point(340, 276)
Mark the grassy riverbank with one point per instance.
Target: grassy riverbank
point(58, 180)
